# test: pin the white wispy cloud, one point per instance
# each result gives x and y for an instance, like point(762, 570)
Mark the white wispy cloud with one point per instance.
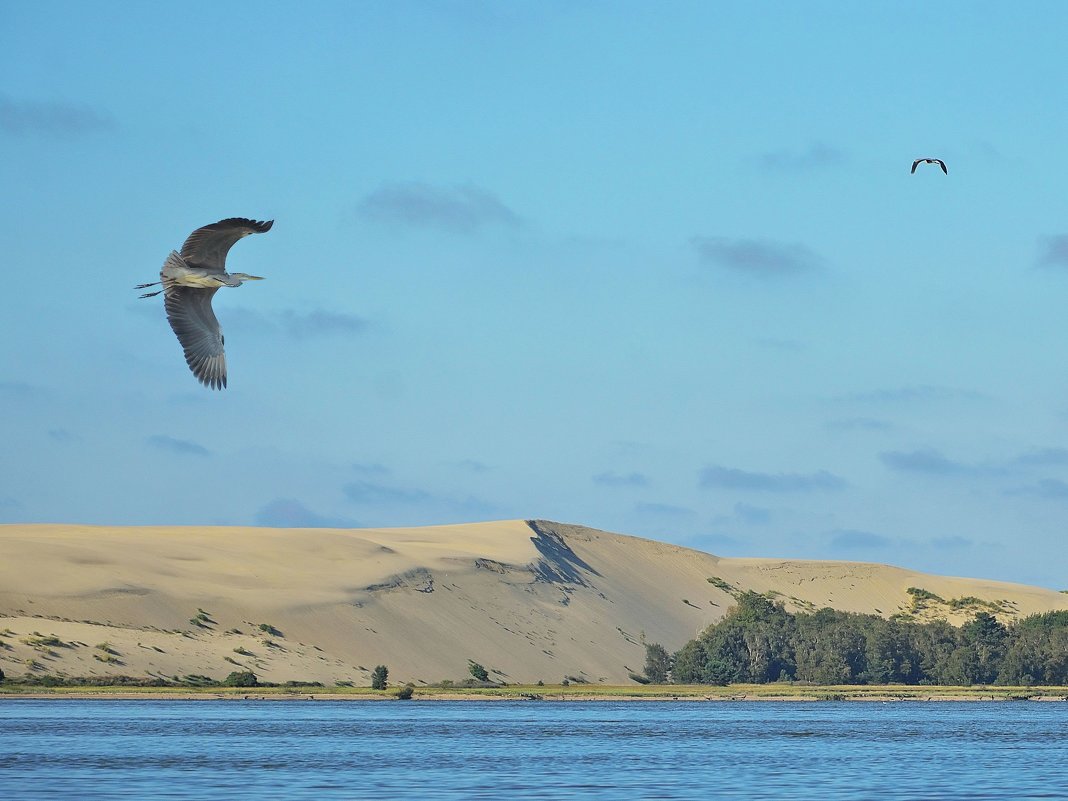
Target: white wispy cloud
point(1053, 251)
point(462, 208)
point(610, 478)
point(184, 447)
point(294, 324)
point(915, 393)
point(855, 540)
point(291, 513)
point(55, 118)
point(757, 257)
point(717, 476)
point(815, 156)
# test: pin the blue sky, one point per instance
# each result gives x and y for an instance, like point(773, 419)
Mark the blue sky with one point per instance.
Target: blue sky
point(657, 268)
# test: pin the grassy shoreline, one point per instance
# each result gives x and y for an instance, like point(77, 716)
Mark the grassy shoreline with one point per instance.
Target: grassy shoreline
point(737, 692)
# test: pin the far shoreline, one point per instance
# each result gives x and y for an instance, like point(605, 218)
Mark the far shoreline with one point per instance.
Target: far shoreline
point(557, 694)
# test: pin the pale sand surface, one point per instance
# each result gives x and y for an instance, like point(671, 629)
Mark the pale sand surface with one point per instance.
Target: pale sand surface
point(542, 601)
point(878, 694)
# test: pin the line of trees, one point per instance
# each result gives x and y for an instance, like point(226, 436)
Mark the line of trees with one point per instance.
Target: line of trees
point(759, 641)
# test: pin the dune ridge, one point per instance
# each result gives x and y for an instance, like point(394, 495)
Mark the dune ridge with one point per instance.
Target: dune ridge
point(530, 600)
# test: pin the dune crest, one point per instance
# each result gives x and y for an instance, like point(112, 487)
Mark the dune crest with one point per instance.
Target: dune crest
point(529, 600)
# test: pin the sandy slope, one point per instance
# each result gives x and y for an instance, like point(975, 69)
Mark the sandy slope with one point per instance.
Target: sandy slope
point(527, 600)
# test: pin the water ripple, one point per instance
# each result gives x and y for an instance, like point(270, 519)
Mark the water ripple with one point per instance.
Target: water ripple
point(471, 750)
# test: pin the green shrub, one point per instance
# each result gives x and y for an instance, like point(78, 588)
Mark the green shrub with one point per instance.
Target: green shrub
point(657, 663)
point(241, 678)
point(267, 627)
point(41, 641)
point(922, 599)
point(196, 680)
point(47, 680)
point(201, 619)
point(479, 672)
point(405, 692)
point(720, 584)
point(379, 677)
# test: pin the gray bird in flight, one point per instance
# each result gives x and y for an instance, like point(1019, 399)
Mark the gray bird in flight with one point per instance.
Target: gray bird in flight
point(190, 279)
point(939, 162)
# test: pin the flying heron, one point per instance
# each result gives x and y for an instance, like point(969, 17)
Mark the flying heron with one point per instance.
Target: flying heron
point(939, 162)
point(190, 279)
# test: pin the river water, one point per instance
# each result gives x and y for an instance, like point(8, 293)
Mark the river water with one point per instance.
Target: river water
point(429, 750)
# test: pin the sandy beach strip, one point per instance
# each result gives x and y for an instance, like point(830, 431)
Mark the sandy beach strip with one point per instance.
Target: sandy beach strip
point(689, 693)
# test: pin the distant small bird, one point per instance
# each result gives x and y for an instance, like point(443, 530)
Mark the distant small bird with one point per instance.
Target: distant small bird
point(939, 162)
point(190, 280)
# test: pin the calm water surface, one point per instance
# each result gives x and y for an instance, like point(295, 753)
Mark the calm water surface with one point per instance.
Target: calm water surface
point(478, 750)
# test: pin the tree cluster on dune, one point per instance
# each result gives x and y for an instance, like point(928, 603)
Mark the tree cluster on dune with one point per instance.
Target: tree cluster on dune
point(759, 641)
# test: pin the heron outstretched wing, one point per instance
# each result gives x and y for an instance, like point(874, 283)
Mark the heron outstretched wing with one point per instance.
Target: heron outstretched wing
point(190, 315)
point(915, 164)
point(942, 164)
point(207, 247)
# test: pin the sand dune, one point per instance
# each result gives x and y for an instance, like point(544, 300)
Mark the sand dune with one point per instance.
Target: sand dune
point(529, 600)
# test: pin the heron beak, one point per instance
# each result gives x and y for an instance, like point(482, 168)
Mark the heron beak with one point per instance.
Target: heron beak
point(255, 278)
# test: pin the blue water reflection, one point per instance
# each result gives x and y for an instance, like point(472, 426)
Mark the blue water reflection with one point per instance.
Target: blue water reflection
point(538, 750)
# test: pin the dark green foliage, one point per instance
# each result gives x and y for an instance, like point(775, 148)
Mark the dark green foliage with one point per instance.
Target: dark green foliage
point(657, 664)
point(267, 627)
point(922, 595)
point(378, 677)
point(753, 643)
point(473, 682)
point(43, 680)
point(405, 692)
point(638, 678)
point(985, 638)
point(202, 619)
point(197, 680)
point(1, 674)
point(241, 678)
point(479, 672)
point(41, 641)
point(759, 641)
point(721, 584)
point(1048, 621)
point(236, 679)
